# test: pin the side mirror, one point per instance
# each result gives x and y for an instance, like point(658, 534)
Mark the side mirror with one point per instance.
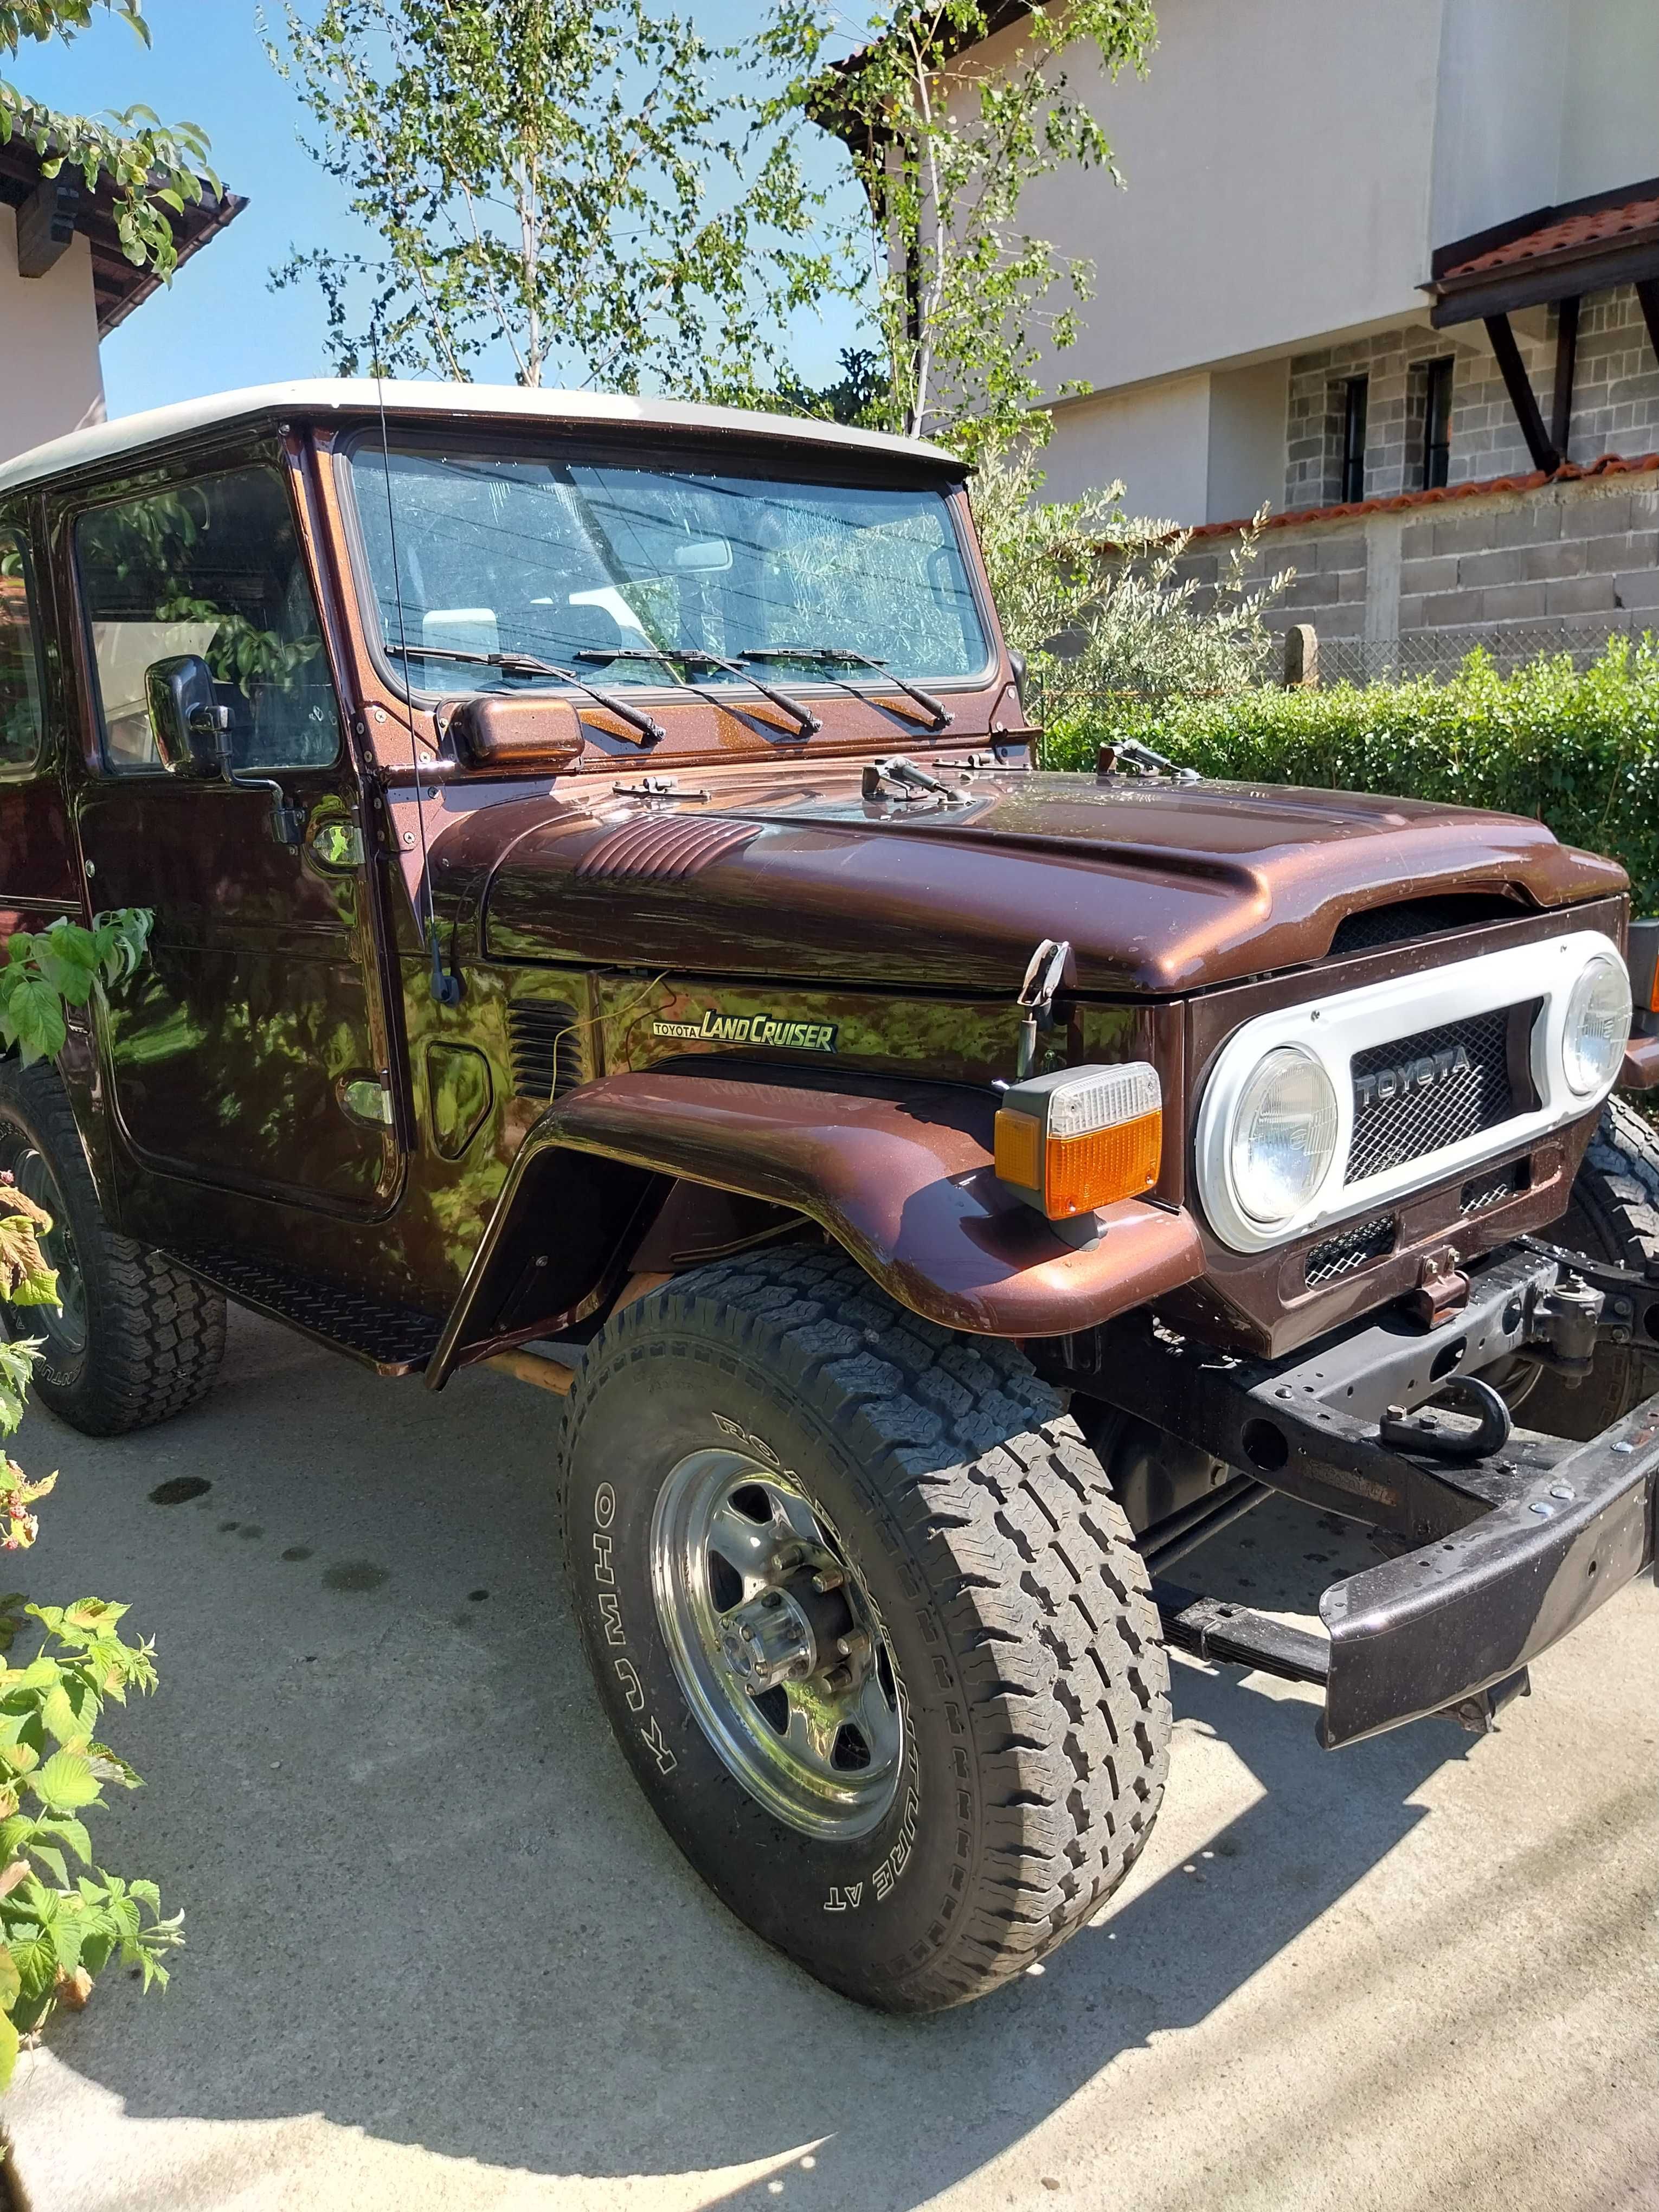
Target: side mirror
point(188, 723)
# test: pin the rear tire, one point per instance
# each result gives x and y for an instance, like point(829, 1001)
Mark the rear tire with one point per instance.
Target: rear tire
point(1014, 1636)
point(141, 1341)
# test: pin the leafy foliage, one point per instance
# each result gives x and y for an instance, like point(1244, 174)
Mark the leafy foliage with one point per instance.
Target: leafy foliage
point(43, 973)
point(1578, 749)
point(945, 137)
point(59, 1930)
point(154, 169)
point(1092, 598)
point(555, 178)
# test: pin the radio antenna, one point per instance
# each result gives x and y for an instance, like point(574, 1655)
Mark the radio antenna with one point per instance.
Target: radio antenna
point(444, 988)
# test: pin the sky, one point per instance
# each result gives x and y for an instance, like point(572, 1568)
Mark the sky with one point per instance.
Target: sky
point(219, 326)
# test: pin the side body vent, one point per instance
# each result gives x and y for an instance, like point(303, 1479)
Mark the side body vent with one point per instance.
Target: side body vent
point(663, 848)
point(546, 1045)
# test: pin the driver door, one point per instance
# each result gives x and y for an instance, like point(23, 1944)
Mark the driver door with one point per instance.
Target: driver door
point(243, 1054)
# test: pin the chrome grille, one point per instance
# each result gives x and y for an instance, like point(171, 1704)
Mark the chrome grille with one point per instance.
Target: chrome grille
point(1419, 1094)
point(1349, 1249)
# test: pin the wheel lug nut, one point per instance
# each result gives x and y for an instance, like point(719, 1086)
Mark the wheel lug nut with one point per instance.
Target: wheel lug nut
point(855, 1647)
point(828, 1579)
point(839, 1678)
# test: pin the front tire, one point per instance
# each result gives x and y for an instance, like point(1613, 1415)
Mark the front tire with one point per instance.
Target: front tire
point(133, 1341)
point(942, 1742)
point(1614, 1217)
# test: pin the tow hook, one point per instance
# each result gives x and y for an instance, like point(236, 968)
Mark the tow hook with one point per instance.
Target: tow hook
point(1424, 1433)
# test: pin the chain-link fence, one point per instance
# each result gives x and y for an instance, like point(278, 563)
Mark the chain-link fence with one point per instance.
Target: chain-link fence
point(1439, 654)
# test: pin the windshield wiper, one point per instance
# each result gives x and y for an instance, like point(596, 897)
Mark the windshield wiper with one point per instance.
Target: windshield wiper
point(671, 657)
point(941, 713)
point(525, 664)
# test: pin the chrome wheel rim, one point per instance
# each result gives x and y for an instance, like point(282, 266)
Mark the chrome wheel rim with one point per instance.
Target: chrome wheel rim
point(777, 1644)
point(63, 1327)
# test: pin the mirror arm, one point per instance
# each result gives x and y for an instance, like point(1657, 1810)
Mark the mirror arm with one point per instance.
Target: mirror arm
point(287, 816)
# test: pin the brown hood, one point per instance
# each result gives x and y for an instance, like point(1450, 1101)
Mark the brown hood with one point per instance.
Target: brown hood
point(1160, 888)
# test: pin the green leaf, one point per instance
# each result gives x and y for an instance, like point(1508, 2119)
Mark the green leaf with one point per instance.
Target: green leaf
point(52, 1858)
point(70, 1831)
point(31, 1018)
point(10, 1980)
point(65, 1783)
point(8, 2048)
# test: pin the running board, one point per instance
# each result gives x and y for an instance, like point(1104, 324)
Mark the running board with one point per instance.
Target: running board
point(392, 1339)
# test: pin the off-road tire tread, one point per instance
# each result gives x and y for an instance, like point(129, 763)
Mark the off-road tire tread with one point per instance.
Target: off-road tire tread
point(161, 1333)
point(1028, 1561)
point(1617, 1188)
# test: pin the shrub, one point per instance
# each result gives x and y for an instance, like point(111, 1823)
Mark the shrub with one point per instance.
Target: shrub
point(1577, 749)
point(57, 1930)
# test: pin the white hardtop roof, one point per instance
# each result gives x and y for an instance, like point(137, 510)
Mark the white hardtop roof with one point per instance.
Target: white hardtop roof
point(411, 401)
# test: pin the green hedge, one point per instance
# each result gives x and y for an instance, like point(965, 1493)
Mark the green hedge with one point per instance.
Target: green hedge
point(1578, 749)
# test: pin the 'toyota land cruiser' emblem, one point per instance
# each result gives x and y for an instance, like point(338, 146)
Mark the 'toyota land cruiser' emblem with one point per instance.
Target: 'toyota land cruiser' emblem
point(753, 1028)
point(1425, 1075)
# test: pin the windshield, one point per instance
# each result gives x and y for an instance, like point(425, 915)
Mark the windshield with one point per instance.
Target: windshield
point(605, 566)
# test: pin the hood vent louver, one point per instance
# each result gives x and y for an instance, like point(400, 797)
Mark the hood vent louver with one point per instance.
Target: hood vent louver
point(546, 1045)
point(663, 848)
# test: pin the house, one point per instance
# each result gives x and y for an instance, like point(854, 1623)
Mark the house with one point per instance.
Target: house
point(1392, 267)
point(65, 284)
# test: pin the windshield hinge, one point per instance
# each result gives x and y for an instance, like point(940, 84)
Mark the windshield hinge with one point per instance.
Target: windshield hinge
point(657, 787)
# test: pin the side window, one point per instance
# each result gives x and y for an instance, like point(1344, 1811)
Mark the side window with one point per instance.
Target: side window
point(211, 568)
point(21, 718)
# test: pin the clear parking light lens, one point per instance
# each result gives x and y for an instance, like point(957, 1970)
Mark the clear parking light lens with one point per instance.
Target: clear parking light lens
point(1284, 1136)
point(1597, 1026)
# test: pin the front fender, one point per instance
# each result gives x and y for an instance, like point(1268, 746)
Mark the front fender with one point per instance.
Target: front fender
point(899, 1174)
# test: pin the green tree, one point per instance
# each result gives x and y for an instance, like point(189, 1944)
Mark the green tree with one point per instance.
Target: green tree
point(945, 137)
point(1095, 601)
point(154, 169)
point(553, 179)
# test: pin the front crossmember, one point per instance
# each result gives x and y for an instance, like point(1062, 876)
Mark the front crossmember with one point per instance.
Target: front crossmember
point(1514, 1537)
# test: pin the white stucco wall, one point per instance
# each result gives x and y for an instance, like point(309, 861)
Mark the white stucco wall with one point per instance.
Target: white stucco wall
point(1277, 159)
point(50, 378)
point(1610, 117)
point(1155, 442)
point(1200, 448)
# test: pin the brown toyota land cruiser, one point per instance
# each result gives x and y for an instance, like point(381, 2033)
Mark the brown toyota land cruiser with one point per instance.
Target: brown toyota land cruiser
point(608, 926)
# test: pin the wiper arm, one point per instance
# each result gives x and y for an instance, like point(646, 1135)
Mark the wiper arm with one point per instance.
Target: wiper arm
point(941, 713)
point(803, 717)
point(527, 664)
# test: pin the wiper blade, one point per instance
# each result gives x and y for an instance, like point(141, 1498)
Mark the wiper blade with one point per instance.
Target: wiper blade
point(671, 657)
point(527, 664)
point(941, 713)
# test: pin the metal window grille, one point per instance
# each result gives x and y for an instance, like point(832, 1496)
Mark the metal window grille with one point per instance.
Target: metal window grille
point(1436, 421)
point(1355, 394)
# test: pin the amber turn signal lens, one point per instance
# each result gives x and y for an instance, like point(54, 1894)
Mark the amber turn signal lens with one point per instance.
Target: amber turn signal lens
point(1082, 1173)
point(1019, 1149)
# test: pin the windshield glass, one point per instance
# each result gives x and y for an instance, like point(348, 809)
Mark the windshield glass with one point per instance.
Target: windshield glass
point(574, 562)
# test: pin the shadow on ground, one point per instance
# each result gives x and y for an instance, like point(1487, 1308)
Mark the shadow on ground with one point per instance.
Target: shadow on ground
point(425, 1897)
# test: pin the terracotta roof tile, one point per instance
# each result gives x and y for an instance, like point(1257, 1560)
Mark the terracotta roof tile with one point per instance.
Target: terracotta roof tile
point(1610, 464)
point(1568, 235)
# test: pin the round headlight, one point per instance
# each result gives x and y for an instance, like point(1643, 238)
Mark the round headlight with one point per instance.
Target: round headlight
point(1597, 1026)
point(1284, 1136)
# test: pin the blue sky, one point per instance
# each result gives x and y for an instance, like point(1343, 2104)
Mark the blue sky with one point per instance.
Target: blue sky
point(219, 326)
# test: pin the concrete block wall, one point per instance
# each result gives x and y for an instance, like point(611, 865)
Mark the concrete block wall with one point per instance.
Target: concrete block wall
point(1578, 556)
point(1615, 400)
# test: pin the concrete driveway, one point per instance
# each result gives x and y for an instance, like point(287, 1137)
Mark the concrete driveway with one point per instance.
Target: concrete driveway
point(441, 1955)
